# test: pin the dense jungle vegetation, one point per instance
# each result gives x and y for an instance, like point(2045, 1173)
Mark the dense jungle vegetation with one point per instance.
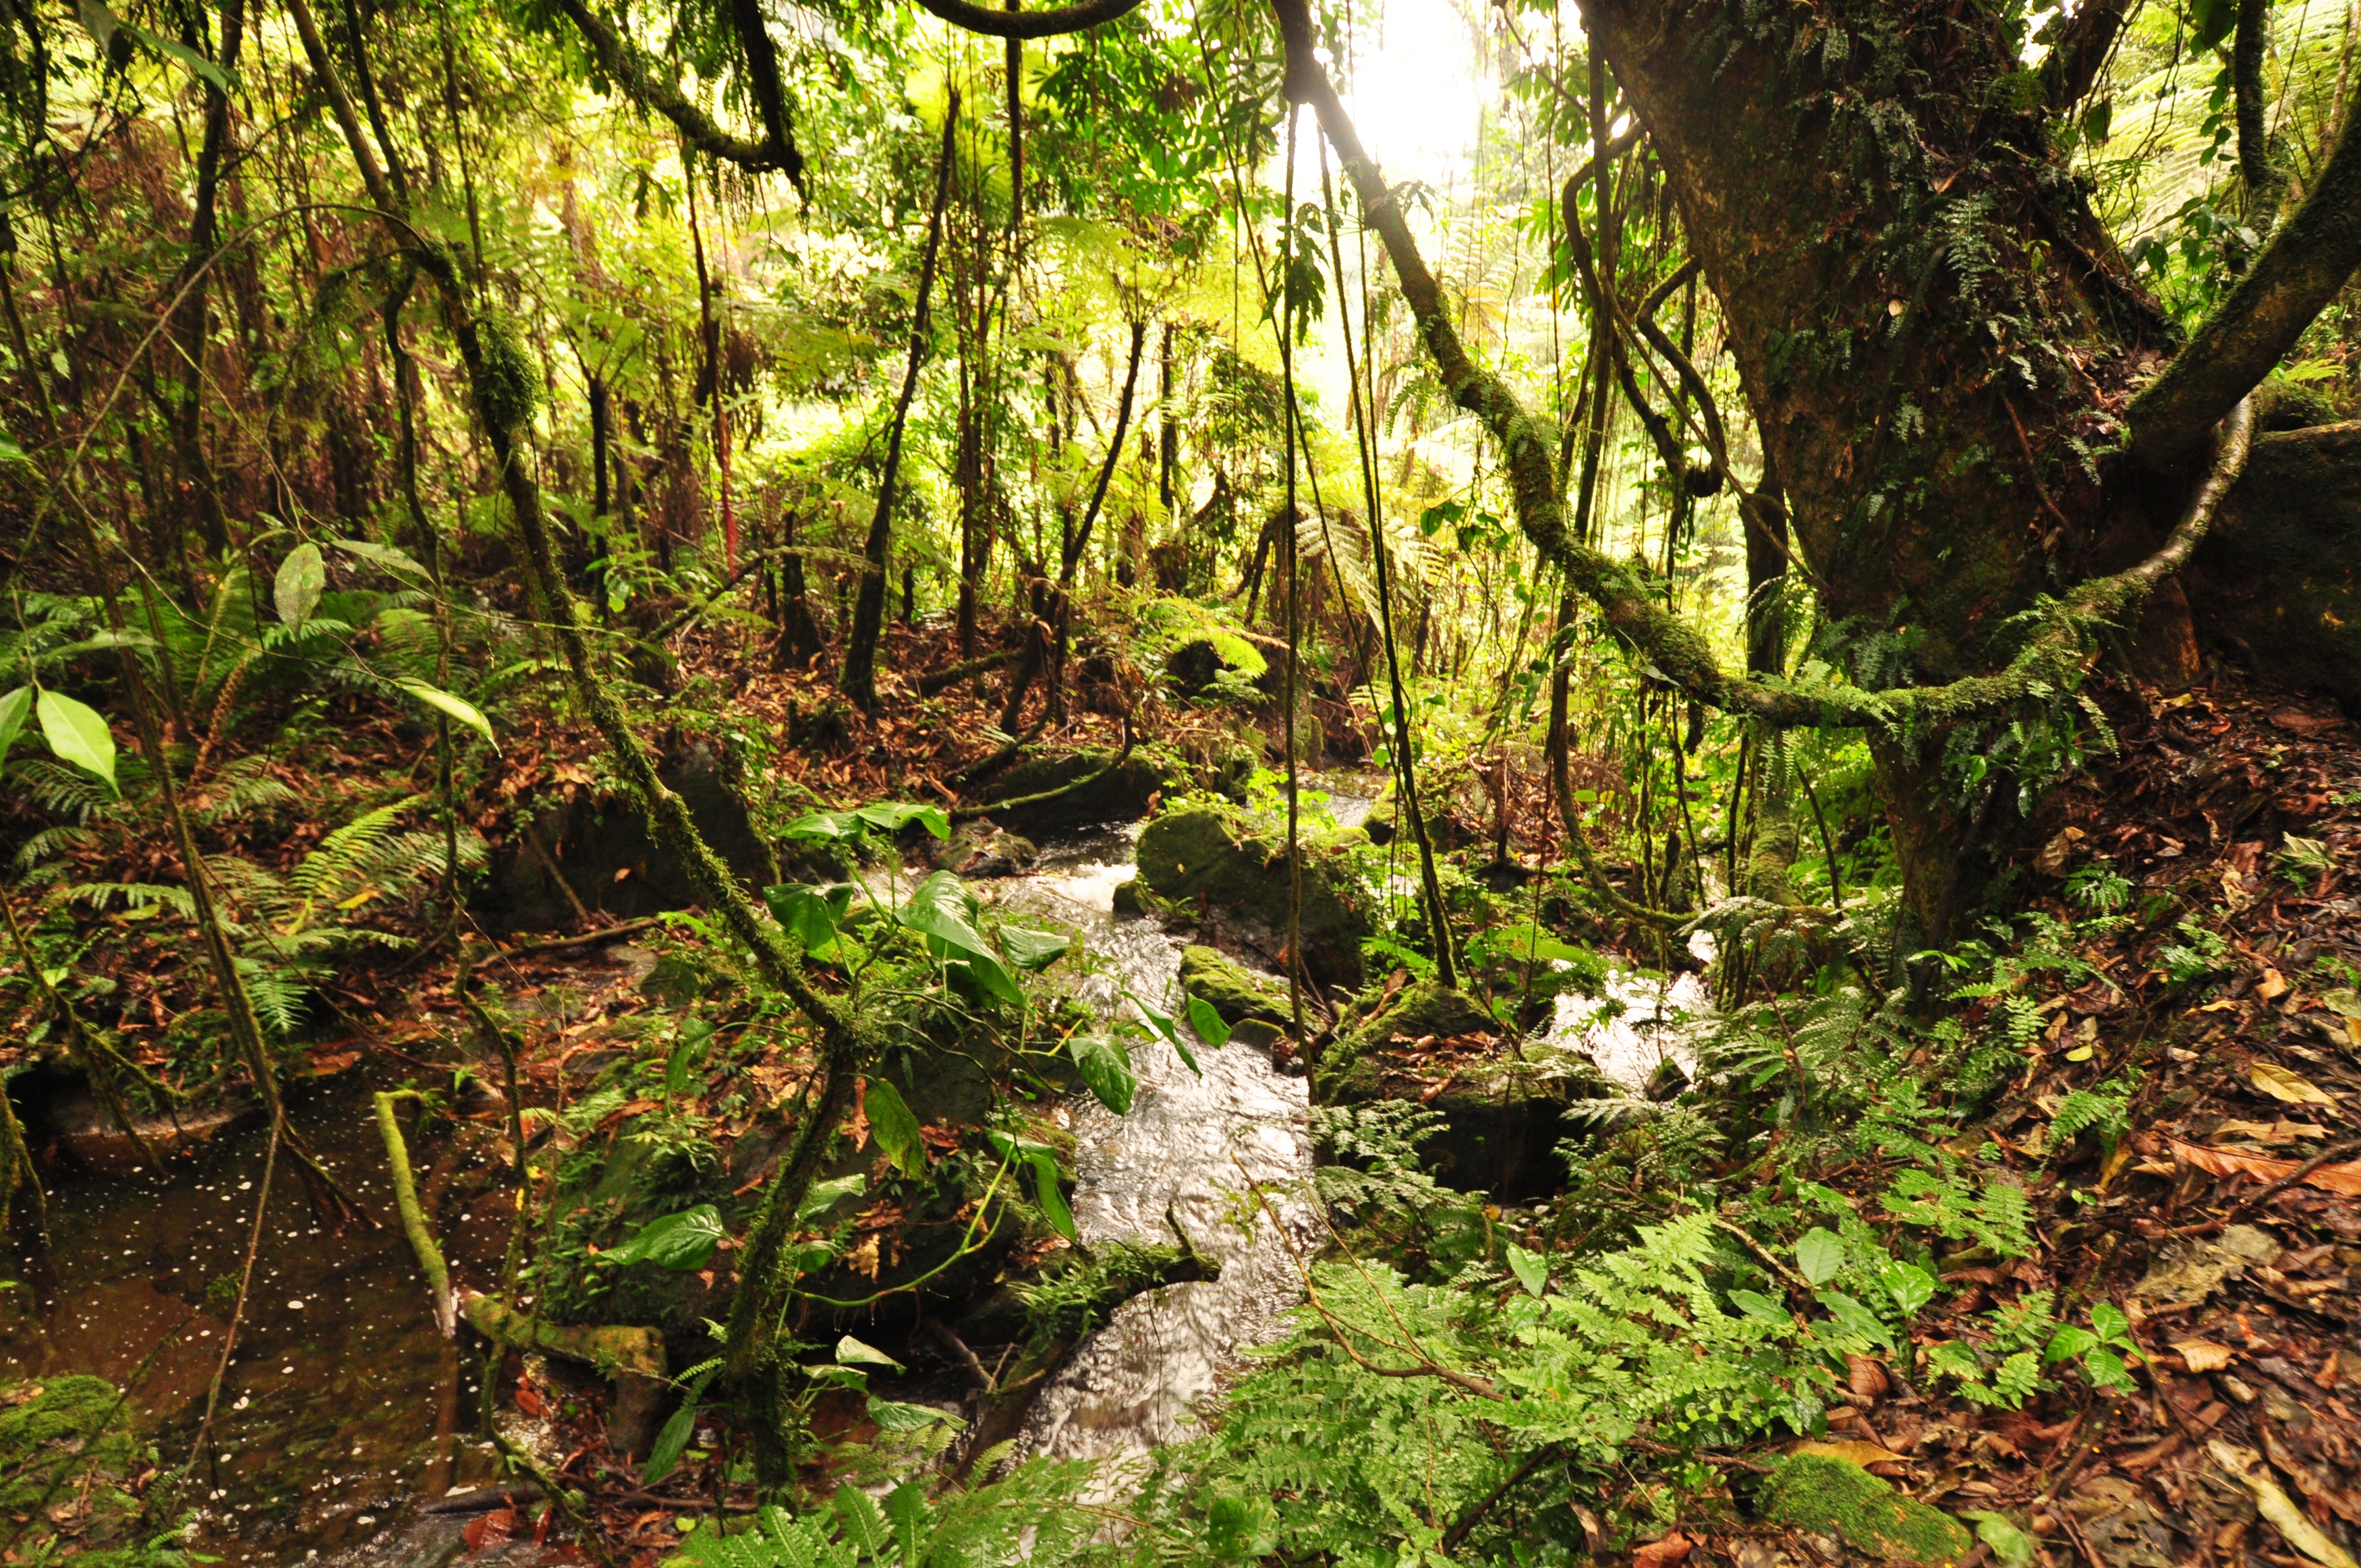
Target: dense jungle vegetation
point(854, 782)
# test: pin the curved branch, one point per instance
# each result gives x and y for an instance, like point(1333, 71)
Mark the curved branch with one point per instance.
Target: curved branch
point(2297, 276)
point(1028, 24)
point(628, 69)
point(1626, 597)
point(2246, 52)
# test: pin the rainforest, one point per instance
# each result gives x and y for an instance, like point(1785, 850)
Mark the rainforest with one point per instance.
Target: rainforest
point(1382, 783)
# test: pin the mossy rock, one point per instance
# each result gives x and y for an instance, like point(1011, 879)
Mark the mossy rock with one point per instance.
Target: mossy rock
point(1209, 854)
point(1834, 1496)
point(1502, 1117)
point(66, 1459)
point(1229, 988)
point(1116, 793)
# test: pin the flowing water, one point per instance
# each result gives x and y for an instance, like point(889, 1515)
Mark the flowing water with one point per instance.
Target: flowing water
point(327, 1420)
point(1221, 1152)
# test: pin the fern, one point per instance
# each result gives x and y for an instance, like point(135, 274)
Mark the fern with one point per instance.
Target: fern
point(1030, 1517)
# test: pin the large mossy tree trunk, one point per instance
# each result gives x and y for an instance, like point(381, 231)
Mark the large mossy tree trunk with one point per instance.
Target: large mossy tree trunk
point(1934, 334)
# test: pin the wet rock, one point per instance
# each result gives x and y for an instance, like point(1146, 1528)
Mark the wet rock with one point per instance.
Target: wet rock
point(88, 1504)
point(1820, 1495)
point(1230, 988)
point(600, 848)
point(1115, 795)
point(1211, 857)
point(1502, 1113)
point(2185, 1275)
point(986, 849)
point(87, 1135)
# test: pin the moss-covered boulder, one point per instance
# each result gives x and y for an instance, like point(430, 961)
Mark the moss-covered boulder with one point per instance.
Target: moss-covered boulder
point(1208, 855)
point(1834, 1496)
point(68, 1462)
point(1230, 988)
point(1094, 790)
point(1503, 1113)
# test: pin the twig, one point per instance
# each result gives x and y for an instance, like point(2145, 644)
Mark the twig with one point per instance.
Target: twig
point(244, 1283)
point(1469, 1520)
point(603, 934)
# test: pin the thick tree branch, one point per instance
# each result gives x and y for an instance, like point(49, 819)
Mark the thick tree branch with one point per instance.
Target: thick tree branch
point(2246, 53)
point(1028, 24)
point(628, 69)
point(2073, 67)
point(2297, 276)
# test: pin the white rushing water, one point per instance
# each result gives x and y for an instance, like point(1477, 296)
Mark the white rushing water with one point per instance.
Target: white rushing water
point(1220, 1153)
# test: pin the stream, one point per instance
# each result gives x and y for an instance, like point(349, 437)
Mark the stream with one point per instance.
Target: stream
point(327, 1417)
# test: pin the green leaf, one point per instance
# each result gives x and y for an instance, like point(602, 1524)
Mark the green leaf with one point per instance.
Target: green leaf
point(1163, 1025)
point(13, 710)
point(2010, 1545)
point(941, 909)
point(78, 735)
point(1530, 1268)
point(813, 915)
point(1819, 1254)
point(1761, 1307)
point(2211, 21)
point(679, 1243)
point(822, 1196)
point(2109, 1322)
point(2067, 1343)
point(1031, 949)
point(852, 1351)
point(384, 555)
point(1106, 1065)
point(826, 827)
point(1910, 1286)
point(459, 707)
point(673, 1440)
point(864, 1527)
point(895, 1128)
point(2105, 1369)
point(302, 578)
point(1855, 1319)
point(894, 1416)
point(1053, 1198)
point(1207, 1022)
point(695, 1034)
point(892, 815)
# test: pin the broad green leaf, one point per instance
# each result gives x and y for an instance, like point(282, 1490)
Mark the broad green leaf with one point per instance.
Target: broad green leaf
point(941, 909)
point(1162, 1023)
point(1759, 1306)
point(2109, 1322)
point(894, 1416)
point(78, 735)
point(2067, 1343)
point(302, 578)
point(895, 1128)
point(1856, 1319)
point(2105, 1369)
point(695, 1034)
point(1208, 1023)
point(13, 710)
point(665, 1452)
point(1821, 1254)
point(1530, 1268)
point(822, 1196)
point(1910, 1286)
point(811, 914)
point(892, 815)
point(384, 555)
point(459, 707)
point(852, 1351)
point(826, 827)
point(1031, 949)
point(1053, 1198)
point(2010, 1546)
point(680, 1243)
point(1106, 1065)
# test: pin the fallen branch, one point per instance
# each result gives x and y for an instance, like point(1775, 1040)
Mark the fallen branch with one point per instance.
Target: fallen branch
point(943, 680)
point(970, 813)
point(414, 1217)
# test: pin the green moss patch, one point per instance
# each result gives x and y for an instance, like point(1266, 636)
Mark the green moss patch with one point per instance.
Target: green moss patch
point(1832, 1497)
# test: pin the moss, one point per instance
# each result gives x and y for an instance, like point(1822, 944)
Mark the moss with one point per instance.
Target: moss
point(1209, 854)
point(1228, 988)
point(1831, 1496)
point(67, 1456)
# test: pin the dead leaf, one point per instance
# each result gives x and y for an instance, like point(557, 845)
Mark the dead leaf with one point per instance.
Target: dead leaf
point(487, 1532)
point(1663, 1553)
point(2280, 1085)
point(2343, 1178)
point(1851, 1451)
point(2203, 1355)
point(2244, 1464)
point(1865, 1376)
point(2272, 985)
point(2271, 1132)
point(2052, 857)
point(2303, 723)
